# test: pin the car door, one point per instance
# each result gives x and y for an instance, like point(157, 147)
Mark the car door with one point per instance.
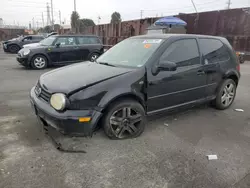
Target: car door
point(66, 47)
point(87, 45)
point(214, 53)
point(26, 40)
point(170, 89)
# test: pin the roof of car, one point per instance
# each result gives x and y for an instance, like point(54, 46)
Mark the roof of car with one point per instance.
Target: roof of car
point(74, 35)
point(166, 36)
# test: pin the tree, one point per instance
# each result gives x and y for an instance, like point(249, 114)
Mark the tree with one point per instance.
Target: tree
point(75, 21)
point(47, 29)
point(116, 18)
point(57, 27)
point(85, 22)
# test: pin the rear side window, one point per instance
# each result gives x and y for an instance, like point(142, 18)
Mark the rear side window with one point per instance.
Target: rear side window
point(213, 50)
point(88, 40)
point(183, 52)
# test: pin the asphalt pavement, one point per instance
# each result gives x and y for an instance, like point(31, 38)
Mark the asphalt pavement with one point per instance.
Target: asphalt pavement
point(171, 153)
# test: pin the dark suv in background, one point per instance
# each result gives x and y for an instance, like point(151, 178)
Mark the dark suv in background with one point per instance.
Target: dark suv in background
point(61, 50)
point(140, 76)
point(13, 46)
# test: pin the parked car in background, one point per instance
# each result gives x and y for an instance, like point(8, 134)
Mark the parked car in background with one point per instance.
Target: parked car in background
point(37, 44)
point(13, 46)
point(241, 56)
point(61, 50)
point(140, 76)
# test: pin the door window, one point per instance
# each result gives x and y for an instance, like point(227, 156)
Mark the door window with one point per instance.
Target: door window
point(183, 52)
point(88, 40)
point(213, 50)
point(27, 38)
point(66, 41)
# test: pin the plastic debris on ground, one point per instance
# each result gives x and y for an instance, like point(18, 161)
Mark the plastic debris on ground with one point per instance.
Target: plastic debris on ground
point(166, 124)
point(239, 110)
point(212, 157)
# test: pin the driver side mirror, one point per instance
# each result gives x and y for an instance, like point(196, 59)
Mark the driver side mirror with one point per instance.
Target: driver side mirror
point(58, 44)
point(167, 66)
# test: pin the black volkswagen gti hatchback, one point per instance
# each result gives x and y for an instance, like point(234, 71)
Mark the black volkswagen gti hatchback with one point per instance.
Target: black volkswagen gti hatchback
point(140, 76)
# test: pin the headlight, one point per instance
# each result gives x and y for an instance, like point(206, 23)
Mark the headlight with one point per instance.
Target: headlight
point(26, 51)
point(58, 101)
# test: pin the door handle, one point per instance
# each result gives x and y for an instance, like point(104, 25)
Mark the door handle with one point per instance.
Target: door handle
point(200, 72)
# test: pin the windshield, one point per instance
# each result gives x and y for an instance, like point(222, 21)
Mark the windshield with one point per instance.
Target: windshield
point(130, 52)
point(48, 41)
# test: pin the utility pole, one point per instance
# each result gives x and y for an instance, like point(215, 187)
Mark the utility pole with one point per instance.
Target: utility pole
point(229, 4)
point(43, 19)
point(194, 6)
point(98, 19)
point(33, 22)
point(48, 15)
point(52, 14)
point(75, 5)
point(37, 25)
point(142, 11)
point(197, 16)
point(60, 18)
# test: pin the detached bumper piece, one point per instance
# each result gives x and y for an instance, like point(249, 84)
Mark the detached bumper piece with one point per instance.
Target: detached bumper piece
point(48, 131)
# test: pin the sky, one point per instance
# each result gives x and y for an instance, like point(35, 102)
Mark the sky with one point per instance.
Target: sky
point(22, 12)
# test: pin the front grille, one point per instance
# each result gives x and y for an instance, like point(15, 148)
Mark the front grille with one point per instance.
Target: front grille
point(42, 93)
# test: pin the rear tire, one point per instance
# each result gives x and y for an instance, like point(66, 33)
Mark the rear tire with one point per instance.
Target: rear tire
point(124, 119)
point(14, 48)
point(93, 57)
point(225, 95)
point(39, 62)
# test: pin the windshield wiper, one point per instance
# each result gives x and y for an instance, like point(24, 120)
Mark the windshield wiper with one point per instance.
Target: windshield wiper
point(105, 63)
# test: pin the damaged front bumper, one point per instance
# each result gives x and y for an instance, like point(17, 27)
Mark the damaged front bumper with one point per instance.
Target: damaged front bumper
point(65, 122)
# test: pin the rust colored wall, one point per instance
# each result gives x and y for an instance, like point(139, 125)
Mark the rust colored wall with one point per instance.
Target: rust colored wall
point(6, 33)
point(234, 24)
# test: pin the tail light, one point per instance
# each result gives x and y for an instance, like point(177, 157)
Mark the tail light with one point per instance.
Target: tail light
point(238, 67)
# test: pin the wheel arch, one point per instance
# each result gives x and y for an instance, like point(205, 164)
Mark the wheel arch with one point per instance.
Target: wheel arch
point(13, 44)
point(124, 96)
point(232, 75)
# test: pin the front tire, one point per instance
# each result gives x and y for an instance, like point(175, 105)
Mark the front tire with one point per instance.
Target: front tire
point(14, 48)
point(124, 119)
point(226, 94)
point(39, 62)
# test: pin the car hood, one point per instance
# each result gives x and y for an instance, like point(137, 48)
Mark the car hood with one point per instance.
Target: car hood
point(31, 45)
point(73, 78)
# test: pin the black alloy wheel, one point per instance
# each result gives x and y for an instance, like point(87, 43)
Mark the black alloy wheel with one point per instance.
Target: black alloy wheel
point(14, 48)
point(226, 94)
point(125, 119)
